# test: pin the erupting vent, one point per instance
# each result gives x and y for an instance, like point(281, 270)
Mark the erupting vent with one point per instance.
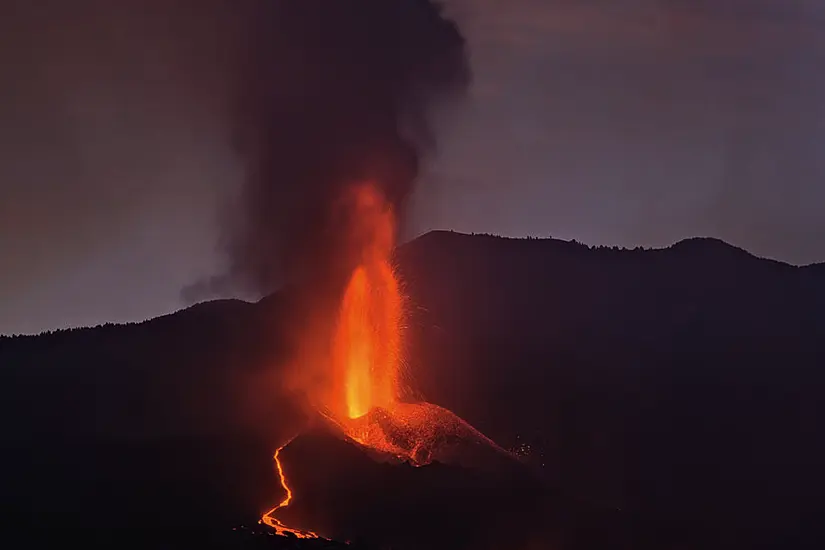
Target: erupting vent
point(364, 398)
point(367, 340)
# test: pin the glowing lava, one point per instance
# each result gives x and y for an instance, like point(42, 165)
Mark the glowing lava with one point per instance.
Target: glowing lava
point(269, 518)
point(363, 390)
point(367, 339)
point(366, 342)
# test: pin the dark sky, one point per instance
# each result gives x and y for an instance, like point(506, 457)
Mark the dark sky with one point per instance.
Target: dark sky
point(609, 121)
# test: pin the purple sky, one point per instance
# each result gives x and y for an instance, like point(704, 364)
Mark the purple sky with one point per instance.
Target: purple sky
point(612, 122)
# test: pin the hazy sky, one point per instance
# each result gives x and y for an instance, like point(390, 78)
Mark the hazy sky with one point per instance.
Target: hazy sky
point(609, 121)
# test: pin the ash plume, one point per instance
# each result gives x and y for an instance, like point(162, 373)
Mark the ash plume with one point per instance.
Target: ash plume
point(332, 93)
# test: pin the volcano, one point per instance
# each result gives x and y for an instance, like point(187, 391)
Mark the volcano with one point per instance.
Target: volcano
point(343, 490)
point(361, 398)
point(564, 345)
point(408, 435)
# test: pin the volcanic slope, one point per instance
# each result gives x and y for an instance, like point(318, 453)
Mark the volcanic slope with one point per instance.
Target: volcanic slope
point(342, 492)
point(422, 433)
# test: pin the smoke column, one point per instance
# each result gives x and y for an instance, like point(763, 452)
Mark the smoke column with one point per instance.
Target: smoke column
point(332, 93)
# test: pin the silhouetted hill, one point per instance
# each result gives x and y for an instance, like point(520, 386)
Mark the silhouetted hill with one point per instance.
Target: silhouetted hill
point(185, 373)
point(682, 381)
point(680, 384)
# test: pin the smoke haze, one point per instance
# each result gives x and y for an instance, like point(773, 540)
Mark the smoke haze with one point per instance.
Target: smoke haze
point(332, 94)
point(132, 165)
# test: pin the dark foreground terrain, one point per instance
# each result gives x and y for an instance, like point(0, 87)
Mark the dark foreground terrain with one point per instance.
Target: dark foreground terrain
point(678, 388)
point(238, 538)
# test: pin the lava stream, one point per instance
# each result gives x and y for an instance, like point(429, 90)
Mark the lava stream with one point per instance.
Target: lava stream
point(269, 518)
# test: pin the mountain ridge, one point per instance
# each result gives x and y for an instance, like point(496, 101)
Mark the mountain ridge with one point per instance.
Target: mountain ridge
point(645, 380)
point(710, 244)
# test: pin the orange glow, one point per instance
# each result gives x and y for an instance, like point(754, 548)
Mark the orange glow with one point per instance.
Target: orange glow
point(365, 351)
point(366, 341)
point(358, 386)
point(354, 346)
point(270, 519)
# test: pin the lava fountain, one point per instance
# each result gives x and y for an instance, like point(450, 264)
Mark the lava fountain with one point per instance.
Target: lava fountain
point(366, 345)
point(364, 390)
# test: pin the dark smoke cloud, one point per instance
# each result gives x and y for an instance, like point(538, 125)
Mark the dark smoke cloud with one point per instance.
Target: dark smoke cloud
point(331, 93)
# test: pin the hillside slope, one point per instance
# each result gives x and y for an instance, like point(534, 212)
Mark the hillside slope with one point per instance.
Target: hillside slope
point(682, 383)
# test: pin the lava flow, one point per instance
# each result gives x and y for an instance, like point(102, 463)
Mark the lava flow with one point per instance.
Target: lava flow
point(269, 519)
point(363, 396)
